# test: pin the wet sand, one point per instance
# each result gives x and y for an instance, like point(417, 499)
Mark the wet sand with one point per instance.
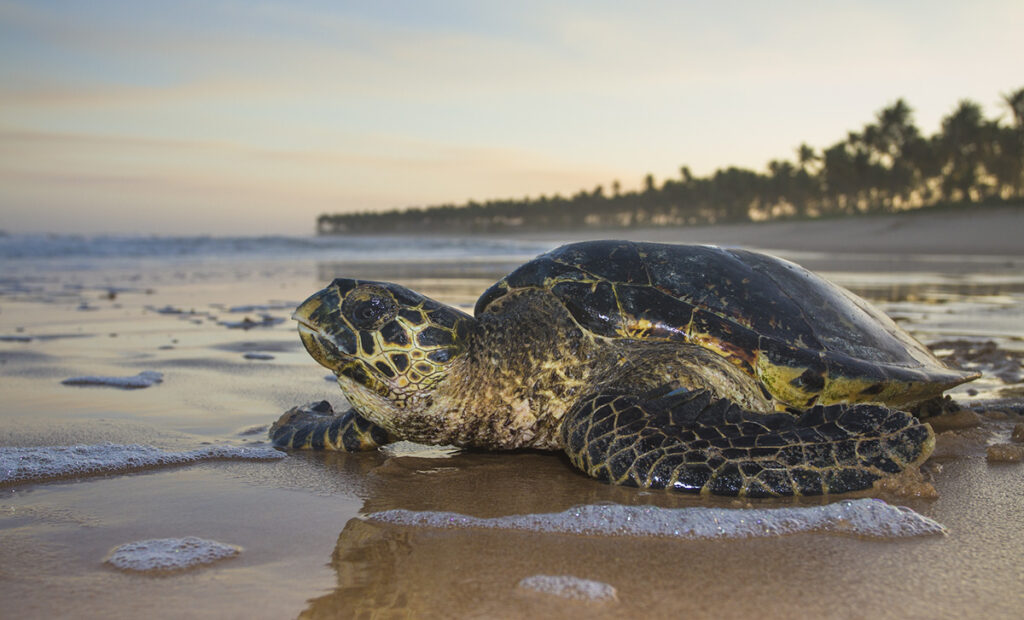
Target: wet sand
point(306, 551)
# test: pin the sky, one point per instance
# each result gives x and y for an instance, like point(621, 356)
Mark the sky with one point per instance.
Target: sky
point(233, 117)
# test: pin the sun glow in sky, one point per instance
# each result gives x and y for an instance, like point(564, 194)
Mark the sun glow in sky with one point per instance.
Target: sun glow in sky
point(234, 117)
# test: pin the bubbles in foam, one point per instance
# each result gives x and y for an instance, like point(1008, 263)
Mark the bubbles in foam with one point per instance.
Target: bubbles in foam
point(567, 586)
point(144, 379)
point(860, 517)
point(42, 463)
point(169, 554)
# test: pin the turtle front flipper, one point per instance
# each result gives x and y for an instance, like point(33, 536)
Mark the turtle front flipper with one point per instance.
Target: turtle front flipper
point(317, 427)
point(688, 441)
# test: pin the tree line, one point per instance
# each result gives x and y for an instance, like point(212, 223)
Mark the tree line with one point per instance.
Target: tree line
point(887, 166)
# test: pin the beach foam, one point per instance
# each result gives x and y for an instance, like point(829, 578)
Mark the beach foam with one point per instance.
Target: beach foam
point(860, 517)
point(169, 554)
point(19, 465)
point(144, 379)
point(567, 586)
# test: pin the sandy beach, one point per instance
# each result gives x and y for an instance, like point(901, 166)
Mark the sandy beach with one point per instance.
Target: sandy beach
point(981, 230)
point(230, 363)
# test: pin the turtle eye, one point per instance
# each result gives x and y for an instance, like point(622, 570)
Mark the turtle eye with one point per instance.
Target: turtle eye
point(369, 308)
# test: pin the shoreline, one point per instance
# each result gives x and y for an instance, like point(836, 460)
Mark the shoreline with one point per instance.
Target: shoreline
point(954, 242)
point(979, 230)
point(989, 231)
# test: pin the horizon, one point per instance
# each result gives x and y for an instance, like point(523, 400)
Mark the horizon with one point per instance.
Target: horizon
point(132, 119)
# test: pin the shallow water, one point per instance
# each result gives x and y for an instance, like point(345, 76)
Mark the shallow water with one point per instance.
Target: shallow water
point(180, 310)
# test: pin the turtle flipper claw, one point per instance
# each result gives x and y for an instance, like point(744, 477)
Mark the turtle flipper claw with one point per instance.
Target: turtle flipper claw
point(692, 442)
point(316, 427)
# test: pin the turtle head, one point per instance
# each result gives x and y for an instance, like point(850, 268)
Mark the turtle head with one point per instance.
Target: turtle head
point(382, 340)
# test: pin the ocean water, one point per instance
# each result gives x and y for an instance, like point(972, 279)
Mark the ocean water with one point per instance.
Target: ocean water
point(94, 252)
point(62, 264)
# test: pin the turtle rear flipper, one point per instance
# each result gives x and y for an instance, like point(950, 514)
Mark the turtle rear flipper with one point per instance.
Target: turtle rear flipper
point(690, 442)
point(317, 427)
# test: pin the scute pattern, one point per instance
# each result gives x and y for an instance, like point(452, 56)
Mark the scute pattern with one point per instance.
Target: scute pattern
point(807, 340)
point(405, 354)
point(715, 280)
point(690, 442)
point(842, 322)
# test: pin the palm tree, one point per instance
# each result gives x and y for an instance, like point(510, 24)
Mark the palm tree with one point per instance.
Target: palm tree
point(896, 133)
point(649, 183)
point(962, 144)
point(838, 177)
point(895, 128)
point(1011, 144)
point(777, 196)
point(805, 156)
point(685, 174)
point(1015, 101)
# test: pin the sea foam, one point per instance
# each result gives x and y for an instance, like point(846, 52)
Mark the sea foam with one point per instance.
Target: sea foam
point(169, 554)
point(567, 586)
point(860, 517)
point(19, 465)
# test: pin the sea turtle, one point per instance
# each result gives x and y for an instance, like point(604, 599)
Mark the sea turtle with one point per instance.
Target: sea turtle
point(695, 368)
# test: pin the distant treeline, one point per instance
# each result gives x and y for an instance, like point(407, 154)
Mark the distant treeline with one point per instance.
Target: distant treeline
point(886, 166)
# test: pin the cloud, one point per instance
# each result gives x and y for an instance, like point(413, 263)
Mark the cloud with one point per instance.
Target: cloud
point(51, 181)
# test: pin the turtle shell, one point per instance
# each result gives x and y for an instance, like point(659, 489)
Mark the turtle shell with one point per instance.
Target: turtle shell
point(806, 340)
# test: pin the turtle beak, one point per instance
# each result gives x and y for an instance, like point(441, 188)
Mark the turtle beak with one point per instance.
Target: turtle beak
point(308, 333)
point(314, 347)
point(323, 332)
point(304, 313)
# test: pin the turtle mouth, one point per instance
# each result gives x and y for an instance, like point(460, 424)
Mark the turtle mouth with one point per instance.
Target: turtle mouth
point(304, 325)
point(322, 347)
point(308, 334)
point(330, 352)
